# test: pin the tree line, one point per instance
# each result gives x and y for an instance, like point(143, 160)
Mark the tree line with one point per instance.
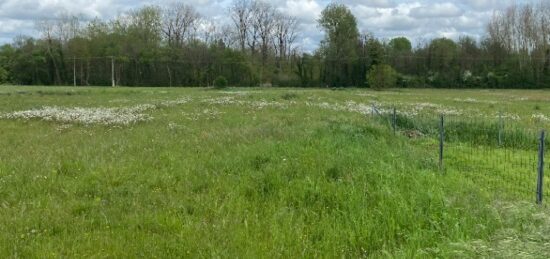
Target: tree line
point(177, 46)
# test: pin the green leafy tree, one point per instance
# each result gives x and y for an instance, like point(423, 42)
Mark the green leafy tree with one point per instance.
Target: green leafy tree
point(220, 82)
point(375, 52)
point(6, 54)
point(400, 45)
point(3, 76)
point(382, 77)
point(339, 47)
point(442, 54)
point(305, 69)
point(400, 54)
point(444, 70)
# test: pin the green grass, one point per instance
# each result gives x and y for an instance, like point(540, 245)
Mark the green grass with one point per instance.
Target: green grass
point(272, 175)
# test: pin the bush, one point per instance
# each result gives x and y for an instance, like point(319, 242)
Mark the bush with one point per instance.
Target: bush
point(495, 80)
point(289, 96)
point(382, 77)
point(220, 82)
point(286, 80)
point(410, 81)
point(3, 76)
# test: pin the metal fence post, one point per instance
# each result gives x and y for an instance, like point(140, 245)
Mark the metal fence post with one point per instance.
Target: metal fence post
point(113, 82)
point(74, 71)
point(500, 128)
point(441, 140)
point(540, 174)
point(394, 120)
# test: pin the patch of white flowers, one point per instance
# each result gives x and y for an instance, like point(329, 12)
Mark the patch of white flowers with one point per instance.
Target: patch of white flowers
point(350, 106)
point(224, 100)
point(261, 104)
point(415, 109)
point(176, 102)
point(539, 117)
point(240, 93)
point(473, 100)
point(407, 109)
point(418, 108)
point(207, 114)
point(88, 116)
point(508, 116)
point(364, 108)
point(366, 95)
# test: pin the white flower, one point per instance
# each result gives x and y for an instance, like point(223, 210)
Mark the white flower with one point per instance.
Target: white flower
point(104, 116)
point(540, 117)
point(88, 116)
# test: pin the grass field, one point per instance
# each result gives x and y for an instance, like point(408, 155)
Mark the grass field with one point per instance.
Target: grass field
point(169, 173)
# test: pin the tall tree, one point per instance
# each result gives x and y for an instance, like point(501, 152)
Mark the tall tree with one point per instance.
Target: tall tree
point(340, 44)
point(53, 48)
point(284, 35)
point(400, 45)
point(6, 62)
point(241, 14)
point(400, 53)
point(178, 23)
point(263, 22)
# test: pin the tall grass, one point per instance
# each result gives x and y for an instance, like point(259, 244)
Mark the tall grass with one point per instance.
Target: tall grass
point(476, 131)
point(238, 182)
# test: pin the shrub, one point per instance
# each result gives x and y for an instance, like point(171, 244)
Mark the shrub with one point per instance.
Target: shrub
point(495, 79)
point(3, 76)
point(220, 82)
point(382, 77)
point(286, 80)
point(289, 96)
point(410, 81)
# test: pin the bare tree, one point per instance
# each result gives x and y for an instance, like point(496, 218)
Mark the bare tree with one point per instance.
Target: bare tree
point(263, 22)
point(523, 30)
point(227, 36)
point(284, 35)
point(240, 13)
point(46, 28)
point(214, 32)
point(66, 27)
point(179, 23)
point(208, 31)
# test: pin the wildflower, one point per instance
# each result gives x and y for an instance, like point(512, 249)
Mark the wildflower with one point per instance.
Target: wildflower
point(87, 116)
point(105, 116)
point(539, 117)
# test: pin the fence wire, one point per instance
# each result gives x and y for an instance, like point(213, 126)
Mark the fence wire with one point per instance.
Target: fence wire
point(498, 154)
point(102, 71)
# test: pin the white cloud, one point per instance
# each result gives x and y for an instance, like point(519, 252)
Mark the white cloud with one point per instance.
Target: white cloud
point(391, 19)
point(11, 25)
point(437, 10)
point(365, 12)
point(305, 10)
point(372, 3)
point(483, 5)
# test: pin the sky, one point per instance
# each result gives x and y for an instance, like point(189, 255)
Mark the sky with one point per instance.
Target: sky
point(418, 19)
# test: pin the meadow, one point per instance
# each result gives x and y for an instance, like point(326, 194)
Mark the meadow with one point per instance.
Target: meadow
point(253, 172)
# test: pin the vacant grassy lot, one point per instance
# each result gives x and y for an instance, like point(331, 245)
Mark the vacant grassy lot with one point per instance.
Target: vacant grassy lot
point(158, 172)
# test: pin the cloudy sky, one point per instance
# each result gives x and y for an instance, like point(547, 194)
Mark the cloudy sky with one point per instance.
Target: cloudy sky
point(416, 19)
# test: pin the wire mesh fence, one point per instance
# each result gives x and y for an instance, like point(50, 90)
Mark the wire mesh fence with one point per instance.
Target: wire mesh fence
point(122, 71)
point(500, 155)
